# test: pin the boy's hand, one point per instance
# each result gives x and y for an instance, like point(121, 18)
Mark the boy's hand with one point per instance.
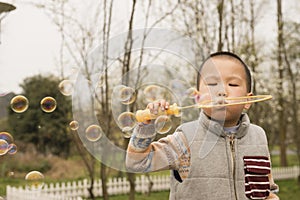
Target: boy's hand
point(272, 196)
point(158, 105)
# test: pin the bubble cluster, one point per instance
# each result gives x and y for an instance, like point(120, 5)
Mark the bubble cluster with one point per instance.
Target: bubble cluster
point(74, 125)
point(48, 104)
point(126, 121)
point(34, 180)
point(93, 133)
point(66, 87)
point(163, 124)
point(19, 104)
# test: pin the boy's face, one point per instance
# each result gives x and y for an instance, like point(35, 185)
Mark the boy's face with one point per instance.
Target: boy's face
point(223, 77)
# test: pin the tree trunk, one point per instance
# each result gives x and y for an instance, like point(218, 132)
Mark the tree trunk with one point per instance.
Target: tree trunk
point(281, 112)
point(104, 182)
point(220, 13)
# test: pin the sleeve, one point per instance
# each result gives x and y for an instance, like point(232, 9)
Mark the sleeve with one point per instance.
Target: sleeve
point(146, 155)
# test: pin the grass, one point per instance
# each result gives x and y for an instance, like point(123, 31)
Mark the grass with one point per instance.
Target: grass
point(138, 196)
point(289, 189)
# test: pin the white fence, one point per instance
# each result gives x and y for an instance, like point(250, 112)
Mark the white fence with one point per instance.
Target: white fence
point(79, 190)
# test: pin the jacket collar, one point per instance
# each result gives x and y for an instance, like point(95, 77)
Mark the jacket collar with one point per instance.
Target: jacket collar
point(217, 128)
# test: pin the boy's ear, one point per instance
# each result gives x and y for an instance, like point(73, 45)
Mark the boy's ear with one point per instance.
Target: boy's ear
point(248, 105)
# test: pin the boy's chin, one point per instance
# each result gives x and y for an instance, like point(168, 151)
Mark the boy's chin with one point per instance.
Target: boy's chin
point(217, 115)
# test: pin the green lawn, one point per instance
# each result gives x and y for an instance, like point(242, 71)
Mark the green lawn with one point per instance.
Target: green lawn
point(289, 190)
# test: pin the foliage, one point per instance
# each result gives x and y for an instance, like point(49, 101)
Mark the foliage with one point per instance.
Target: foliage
point(47, 131)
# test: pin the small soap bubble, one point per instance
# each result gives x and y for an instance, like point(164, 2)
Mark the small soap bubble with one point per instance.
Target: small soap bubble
point(191, 92)
point(7, 137)
point(74, 125)
point(35, 180)
point(126, 121)
point(19, 104)
point(66, 87)
point(163, 124)
point(127, 95)
point(93, 133)
point(48, 104)
point(3, 147)
point(12, 149)
point(153, 93)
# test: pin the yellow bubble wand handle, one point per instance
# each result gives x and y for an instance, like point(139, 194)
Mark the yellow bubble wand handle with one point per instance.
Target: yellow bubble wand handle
point(146, 115)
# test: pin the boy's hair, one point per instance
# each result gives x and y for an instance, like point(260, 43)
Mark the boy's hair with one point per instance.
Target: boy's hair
point(230, 55)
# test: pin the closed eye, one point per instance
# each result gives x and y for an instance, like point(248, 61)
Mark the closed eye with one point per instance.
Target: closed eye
point(233, 85)
point(211, 84)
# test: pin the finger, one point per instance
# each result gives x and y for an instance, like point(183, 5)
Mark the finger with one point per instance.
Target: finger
point(155, 107)
point(162, 104)
point(167, 105)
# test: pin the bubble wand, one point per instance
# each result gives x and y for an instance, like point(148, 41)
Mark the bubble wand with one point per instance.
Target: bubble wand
point(145, 115)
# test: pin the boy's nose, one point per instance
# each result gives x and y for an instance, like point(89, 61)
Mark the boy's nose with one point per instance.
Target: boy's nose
point(221, 93)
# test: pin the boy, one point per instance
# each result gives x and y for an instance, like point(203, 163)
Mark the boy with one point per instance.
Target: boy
point(219, 156)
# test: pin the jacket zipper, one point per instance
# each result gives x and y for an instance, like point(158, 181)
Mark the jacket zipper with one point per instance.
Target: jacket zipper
point(231, 141)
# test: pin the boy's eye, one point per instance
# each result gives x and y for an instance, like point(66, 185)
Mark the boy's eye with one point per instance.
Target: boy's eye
point(233, 85)
point(211, 84)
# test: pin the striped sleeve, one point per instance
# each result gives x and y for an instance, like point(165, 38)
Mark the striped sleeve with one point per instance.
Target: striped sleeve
point(257, 185)
point(146, 155)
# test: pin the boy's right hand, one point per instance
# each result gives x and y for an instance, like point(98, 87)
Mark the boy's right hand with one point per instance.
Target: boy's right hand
point(156, 107)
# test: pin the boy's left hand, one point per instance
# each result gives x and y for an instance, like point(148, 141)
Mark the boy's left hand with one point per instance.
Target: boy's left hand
point(273, 196)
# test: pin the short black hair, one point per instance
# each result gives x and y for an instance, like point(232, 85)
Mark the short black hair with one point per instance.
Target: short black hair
point(232, 55)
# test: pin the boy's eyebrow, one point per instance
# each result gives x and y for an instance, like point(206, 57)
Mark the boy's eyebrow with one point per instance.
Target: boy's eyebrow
point(233, 76)
point(211, 77)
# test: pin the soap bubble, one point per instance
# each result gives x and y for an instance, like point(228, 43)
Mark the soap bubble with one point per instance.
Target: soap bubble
point(3, 147)
point(48, 104)
point(153, 93)
point(124, 94)
point(7, 137)
point(12, 149)
point(93, 133)
point(19, 104)
point(127, 95)
point(66, 87)
point(74, 125)
point(126, 121)
point(35, 180)
point(163, 124)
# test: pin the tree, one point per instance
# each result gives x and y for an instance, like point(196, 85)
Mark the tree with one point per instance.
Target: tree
point(280, 87)
point(47, 131)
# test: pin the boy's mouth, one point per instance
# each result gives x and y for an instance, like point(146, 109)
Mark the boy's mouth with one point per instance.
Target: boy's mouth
point(219, 101)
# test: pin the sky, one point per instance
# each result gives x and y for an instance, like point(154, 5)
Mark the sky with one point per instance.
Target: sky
point(30, 43)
